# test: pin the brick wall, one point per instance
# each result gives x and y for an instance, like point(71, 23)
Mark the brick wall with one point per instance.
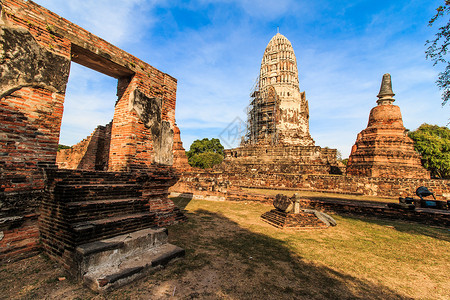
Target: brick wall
point(38, 47)
point(92, 153)
point(212, 182)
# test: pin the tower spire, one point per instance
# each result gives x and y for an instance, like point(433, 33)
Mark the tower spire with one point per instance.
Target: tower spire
point(385, 96)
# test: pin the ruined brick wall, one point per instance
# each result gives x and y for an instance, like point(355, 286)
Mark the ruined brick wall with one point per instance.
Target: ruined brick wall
point(64, 38)
point(219, 186)
point(92, 153)
point(37, 47)
point(180, 160)
point(221, 183)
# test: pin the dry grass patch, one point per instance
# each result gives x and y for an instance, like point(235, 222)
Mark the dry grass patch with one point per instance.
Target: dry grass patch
point(321, 195)
point(232, 254)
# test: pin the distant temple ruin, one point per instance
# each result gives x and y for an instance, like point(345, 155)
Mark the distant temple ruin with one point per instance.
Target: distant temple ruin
point(384, 149)
point(278, 138)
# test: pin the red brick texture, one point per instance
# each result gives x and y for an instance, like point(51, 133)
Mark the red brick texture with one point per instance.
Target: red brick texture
point(92, 153)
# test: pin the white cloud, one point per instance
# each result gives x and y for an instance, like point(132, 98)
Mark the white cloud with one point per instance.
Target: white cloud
point(89, 102)
point(116, 21)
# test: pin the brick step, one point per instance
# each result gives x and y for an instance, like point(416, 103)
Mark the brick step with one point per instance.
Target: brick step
point(133, 268)
point(84, 192)
point(94, 230)
point(98, 209)
point(112, 262)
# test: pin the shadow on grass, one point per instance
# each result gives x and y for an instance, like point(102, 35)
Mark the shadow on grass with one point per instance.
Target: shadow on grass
point(248, 265)
point(439, 233)
point(182, 201)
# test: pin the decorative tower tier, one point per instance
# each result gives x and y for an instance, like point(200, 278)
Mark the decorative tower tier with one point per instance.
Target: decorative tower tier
point(384, 149)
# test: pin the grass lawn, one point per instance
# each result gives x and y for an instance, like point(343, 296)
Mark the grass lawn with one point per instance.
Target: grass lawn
point(232, 254)
point(321, 195)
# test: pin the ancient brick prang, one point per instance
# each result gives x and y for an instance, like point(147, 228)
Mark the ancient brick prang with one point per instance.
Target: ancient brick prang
point(279, 112)
point(278, 138)
point(384, 149)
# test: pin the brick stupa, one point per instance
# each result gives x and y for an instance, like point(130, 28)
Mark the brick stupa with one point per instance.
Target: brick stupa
point(384, 149)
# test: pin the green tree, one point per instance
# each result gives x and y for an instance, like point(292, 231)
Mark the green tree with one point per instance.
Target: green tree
point(433, 143)
point(60, 146)
point(205, 153)
point(437, 49)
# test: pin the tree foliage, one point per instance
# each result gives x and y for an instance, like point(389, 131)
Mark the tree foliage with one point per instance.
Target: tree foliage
point(205, 153)
point(60, 146)
point(437, 49)
point(433, 143)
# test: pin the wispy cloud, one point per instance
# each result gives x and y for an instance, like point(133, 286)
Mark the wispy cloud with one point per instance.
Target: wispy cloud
point(116, 21)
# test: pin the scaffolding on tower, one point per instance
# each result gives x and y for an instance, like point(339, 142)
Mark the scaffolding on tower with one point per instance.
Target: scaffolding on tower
point(262, 116)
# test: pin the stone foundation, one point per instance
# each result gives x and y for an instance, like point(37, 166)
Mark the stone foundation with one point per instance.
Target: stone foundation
point(288, 159)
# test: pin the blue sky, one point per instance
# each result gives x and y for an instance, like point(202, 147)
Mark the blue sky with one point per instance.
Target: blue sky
point(214, 49)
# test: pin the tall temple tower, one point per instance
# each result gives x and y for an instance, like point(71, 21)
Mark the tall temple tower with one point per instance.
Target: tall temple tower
point(278, 112)
point(277, 138)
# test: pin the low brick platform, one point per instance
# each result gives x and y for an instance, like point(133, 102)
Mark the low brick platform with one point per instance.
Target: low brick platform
point(110, 263)
point(301, 220)
point(88, 206)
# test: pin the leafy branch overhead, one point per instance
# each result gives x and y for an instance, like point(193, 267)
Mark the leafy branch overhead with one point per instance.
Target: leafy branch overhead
point(437, 49)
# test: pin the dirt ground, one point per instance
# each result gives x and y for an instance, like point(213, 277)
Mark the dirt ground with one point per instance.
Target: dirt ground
point(232, 254)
